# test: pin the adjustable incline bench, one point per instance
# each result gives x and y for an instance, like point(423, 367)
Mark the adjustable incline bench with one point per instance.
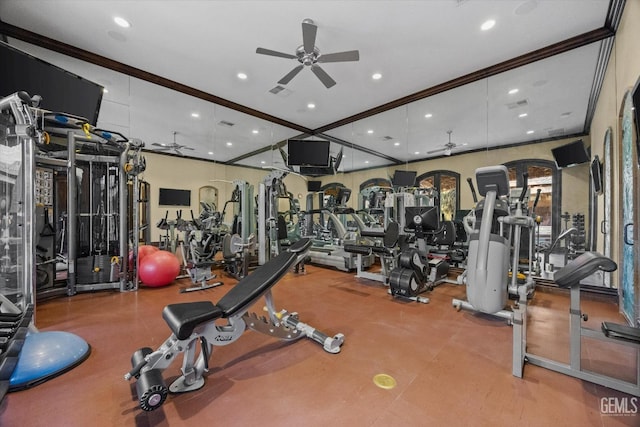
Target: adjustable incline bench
point(570, 276)
point(194, 322)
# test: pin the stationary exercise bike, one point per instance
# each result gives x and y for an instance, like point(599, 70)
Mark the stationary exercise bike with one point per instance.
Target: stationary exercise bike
point(199, 322)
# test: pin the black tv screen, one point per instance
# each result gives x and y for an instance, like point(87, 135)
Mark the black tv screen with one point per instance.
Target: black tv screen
point(308, 153)
point(404, 178)
point(596, 175)
point(313, 186)
point(61, 91)
point(172, 197)
point(570, 154)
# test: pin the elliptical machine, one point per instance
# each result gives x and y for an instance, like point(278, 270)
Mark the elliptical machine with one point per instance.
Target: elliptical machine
point(487, 274)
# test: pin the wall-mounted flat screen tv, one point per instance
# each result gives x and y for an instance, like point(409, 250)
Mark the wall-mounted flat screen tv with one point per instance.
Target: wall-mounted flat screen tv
point(61, 91)
point(570, 154)
point(404, 178)
point(313, 186)
point(173, 197)
point(596, 175)
point(302, 152)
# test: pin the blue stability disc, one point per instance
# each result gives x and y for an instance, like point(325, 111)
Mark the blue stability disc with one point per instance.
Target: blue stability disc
point(45, 355)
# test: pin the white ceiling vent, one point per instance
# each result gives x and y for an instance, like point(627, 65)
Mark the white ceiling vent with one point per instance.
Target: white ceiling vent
point(281, 91)
point(556, 132)
point(226, 123)
point(387, 138)
point(517, 104)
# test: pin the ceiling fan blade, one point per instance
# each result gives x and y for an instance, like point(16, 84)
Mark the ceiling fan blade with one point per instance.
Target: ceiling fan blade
point(323, 76)
point(309, 36)
point(186, 148)
point(158, 145)
point(350, 55)
point(178, 152)
point(269, 52)
point(438, 150)
point(286, 79)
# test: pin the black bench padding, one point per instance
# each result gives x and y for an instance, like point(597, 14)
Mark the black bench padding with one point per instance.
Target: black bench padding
point(621, 332)
point(182, 318)
point(255, 285)
point(12, 346)
point(581, 267)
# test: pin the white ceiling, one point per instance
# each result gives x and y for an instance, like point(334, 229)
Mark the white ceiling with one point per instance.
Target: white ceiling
point(415, 45)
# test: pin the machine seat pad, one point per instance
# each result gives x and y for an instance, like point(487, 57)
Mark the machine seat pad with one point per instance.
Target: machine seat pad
point(358, 249)
point(251, 287)
point(589, 262)
point(182, 318)
point(621, 332)
point(373, 232)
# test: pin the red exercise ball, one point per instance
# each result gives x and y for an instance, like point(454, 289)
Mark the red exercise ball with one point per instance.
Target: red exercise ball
point(159, 268)
point(143, 250)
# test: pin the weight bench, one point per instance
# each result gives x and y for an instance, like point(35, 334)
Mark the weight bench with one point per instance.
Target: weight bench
point(570, 276)
point(199, 322)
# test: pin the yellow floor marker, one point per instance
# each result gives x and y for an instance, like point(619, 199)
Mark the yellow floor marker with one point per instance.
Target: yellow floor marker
point(384, 381)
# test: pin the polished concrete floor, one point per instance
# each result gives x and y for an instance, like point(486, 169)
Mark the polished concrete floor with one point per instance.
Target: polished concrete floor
point(451, 368)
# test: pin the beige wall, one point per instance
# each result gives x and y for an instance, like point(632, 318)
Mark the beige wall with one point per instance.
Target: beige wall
point(622, 72)
point(188, 174)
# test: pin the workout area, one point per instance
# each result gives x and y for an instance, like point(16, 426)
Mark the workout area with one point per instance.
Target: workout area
point(389, 213)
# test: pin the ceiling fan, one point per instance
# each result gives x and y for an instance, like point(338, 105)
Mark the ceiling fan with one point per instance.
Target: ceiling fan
point(309, 55)
point(447, 147)
point(173, 146)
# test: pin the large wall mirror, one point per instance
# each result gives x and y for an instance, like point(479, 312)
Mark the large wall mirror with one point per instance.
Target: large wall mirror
point(477, 117)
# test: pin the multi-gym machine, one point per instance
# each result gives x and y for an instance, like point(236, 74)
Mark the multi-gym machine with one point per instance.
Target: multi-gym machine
point(99, 165)
point(487, 274)
point(272, 227)
point(239, 244)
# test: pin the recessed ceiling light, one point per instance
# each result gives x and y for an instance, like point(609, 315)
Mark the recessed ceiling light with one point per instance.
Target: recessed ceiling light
point(311, 105)
point(121, 22)
point(512, 91)
point(163, 144)
point(529, 132)
point(522, 115)
point(255, 131)
point(428, 115)
point(242, 76)
point(396, 143)
point(229, 143)
point(370, 131)
point(211, 153)
point(105, 90)
point(263, 162)
point(416, 152)
point(366, 161)
point(376, 76)
point(487, 25)
point(195, 115)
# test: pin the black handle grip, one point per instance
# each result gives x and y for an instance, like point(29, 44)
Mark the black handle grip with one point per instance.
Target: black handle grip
point(525, 185)
point(535, 203)
point(473, 190)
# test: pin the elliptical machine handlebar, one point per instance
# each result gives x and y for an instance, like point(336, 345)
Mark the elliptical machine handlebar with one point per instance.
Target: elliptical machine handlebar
point(525, 186)
point(535, 202)
point(473, 190)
